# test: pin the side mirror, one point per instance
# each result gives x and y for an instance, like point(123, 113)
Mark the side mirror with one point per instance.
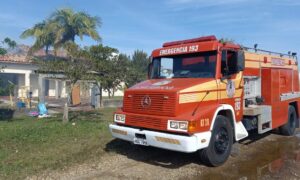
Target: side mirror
point(224, 57)
point(149, 70)
point(240, 61)
point(224, 67)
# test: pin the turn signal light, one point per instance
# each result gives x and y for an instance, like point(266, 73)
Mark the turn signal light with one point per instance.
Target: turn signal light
point(192, 126)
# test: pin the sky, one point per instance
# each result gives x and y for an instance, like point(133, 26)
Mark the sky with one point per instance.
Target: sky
point(140, 24)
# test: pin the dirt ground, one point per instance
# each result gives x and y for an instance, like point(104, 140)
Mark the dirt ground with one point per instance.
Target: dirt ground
point(270, 156)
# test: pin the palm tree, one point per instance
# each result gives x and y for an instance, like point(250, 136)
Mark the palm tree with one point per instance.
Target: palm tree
point(44, 34)
point(63, 26)
point(10, 43)
point(69, 24)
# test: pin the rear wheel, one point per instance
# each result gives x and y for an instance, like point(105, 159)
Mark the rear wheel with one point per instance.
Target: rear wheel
point(220, 144)
point(289, 128)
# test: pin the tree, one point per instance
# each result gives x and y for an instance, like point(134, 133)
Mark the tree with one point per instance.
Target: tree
point(138, 68)
point(62, 26)
point(118, 67)
point(59, 31)
point(107, 68)
point(226, 40)
point(73, 68)
point(44, 33)
point(3, 51)
point(10, 44)
point(69, 24)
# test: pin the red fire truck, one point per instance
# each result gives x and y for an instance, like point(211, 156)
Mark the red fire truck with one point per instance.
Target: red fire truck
point(204, 94)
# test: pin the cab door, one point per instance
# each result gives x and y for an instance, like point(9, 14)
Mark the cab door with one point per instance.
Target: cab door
point(231, 82)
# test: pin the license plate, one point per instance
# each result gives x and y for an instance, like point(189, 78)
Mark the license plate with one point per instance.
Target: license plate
point(140, 141)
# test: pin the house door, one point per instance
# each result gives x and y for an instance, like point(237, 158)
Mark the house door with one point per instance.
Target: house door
point(76, 95)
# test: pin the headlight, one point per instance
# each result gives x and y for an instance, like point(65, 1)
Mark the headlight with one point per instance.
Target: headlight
point(120, 118)
point(178, 125)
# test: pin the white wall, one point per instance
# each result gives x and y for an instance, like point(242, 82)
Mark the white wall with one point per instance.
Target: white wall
point(117, 93)
point(13, 69)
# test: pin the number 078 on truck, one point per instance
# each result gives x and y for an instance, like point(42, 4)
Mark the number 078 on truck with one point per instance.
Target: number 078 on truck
point(204, 94)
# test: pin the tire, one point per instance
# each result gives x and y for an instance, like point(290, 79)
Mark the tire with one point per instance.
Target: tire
point(289, 128)
point(220, 144)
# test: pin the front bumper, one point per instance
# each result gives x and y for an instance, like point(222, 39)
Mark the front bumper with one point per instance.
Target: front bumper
point(163, 140)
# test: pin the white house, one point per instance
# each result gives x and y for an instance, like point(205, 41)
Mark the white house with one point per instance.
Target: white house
point(21, 71)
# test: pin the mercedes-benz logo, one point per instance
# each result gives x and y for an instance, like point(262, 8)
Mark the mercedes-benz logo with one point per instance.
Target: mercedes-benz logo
point(146, 101)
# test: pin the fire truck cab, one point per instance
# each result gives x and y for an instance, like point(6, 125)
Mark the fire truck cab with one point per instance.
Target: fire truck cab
point(204, 94)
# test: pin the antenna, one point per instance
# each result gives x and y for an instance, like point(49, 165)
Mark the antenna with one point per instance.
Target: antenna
point(255, 47)
point(294, 54)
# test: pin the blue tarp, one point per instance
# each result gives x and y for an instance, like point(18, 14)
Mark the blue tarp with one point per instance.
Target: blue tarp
point(42, 109)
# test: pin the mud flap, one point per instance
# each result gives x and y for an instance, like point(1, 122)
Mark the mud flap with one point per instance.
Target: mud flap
point(240, 131)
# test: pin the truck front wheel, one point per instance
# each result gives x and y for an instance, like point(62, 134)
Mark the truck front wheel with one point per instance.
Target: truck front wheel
point(289, 128)
point(220, 144)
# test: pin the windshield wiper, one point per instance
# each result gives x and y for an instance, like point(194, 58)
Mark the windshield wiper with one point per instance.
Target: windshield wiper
point(181, 77)
point(159, 77)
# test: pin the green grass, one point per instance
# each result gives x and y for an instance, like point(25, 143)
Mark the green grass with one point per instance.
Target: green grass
point(30, 145)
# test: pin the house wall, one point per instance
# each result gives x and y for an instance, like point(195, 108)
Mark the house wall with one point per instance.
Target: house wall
point(22, 72)
point(119, 92)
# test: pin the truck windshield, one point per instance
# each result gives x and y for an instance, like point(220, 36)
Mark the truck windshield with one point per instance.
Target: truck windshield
point(200, 65)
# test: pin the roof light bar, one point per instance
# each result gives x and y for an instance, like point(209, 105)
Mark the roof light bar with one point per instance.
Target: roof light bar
point(200, 39)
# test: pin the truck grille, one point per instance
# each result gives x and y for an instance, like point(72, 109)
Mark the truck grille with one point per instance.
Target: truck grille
point(161, 104)
point(146, 122)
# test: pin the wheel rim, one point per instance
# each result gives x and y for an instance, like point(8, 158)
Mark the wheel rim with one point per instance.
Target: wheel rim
point(221, 141)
